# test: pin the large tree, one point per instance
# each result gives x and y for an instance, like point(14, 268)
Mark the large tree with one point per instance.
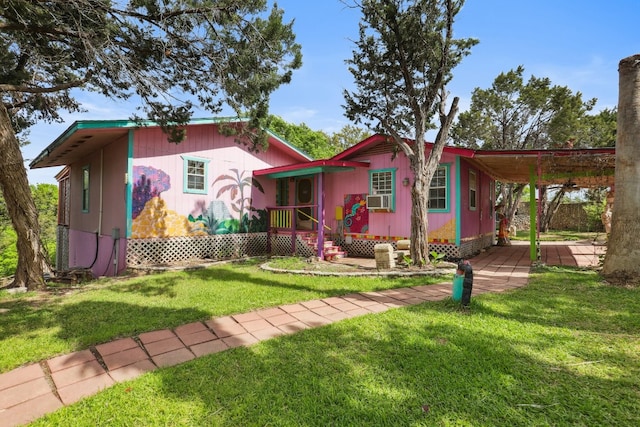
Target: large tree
point(171, 54)
point(316, 143)
point(514, 115)
point(402, 62)
point(623, 249)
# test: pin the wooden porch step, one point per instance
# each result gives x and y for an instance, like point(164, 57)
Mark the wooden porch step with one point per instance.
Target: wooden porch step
point(331, 250)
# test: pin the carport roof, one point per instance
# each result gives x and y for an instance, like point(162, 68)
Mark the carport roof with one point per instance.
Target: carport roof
point(589, 167)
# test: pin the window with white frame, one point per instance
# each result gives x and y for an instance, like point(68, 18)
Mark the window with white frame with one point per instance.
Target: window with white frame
point(195, 175)
point(438, 190)
point(85, 189)
point(382, 182)
point(473, 180)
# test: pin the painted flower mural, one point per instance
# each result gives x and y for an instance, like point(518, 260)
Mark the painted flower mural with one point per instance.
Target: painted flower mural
point(149, 182)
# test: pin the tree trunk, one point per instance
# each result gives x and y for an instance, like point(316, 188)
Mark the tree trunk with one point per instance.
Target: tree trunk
point(419, 219)
point(548, 208)
point(33, 261)
point(511, 195)
point(623, 248)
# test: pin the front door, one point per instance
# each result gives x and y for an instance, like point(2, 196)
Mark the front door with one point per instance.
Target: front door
point(304, 196)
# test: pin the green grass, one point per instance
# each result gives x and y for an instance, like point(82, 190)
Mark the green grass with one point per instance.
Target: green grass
point(562, 235)
point(565, 350)
point(35, 327)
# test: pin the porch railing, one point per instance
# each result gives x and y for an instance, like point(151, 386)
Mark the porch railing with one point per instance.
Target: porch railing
point(284, 219)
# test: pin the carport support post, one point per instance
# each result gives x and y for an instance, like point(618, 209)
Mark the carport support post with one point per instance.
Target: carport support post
point(532, 214)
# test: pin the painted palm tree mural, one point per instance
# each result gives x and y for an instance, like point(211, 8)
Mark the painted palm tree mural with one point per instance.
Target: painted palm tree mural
point(217, 219)
point(237, 186)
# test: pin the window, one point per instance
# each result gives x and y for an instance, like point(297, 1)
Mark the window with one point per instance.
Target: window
point(85, 189)
point(382, 181)
point(438, 200)
point(282, 192)
point(195, 175)
point(472, 190)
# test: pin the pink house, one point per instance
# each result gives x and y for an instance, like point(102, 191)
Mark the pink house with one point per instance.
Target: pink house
point(128, 197)
point(362, 196)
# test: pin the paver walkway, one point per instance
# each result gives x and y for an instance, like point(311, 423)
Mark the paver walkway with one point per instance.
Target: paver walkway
point(29, 392)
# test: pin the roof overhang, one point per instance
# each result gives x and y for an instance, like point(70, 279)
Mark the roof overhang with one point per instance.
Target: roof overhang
point(310, 168)
point(584, 168)
point(87, 136)
point(81, 139)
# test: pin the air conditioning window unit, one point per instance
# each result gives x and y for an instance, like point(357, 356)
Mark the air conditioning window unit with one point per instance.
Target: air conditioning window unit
point(379, 201)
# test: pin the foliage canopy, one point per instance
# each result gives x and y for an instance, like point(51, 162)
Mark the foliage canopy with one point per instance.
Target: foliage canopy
point(170, 54)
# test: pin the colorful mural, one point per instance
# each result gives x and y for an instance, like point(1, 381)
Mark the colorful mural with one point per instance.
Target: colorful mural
point(155, 220)
point(149, 182)
point(152, 218)
point(356, 218)
point(236, 188)
point(445, 233)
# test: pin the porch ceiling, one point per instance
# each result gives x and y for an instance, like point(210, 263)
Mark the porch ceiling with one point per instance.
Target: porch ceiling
point(582, 167)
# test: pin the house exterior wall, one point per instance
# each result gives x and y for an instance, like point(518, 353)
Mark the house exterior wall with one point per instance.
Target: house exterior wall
point(395, 224)
point(91, 242)
point(142, 176)
point(477, 223)
point(163, 207)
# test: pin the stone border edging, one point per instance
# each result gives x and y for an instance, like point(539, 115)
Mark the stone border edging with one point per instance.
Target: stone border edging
point(372, 273)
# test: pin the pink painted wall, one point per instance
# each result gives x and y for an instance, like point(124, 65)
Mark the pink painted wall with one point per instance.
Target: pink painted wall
point(107, 168)
point(481, 220)
point(87, 252)
point(394, 224)
point(151, 149)
point(90, 233)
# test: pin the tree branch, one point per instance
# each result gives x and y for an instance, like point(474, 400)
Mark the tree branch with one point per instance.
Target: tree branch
point(38, 89)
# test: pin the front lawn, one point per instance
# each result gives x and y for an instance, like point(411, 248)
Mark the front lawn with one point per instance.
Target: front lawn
point(37, 326)
point(564, 350)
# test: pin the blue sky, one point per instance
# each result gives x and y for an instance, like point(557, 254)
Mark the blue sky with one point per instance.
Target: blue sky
point(575, 43)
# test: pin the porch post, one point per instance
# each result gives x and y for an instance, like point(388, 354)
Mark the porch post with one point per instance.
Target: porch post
point(532, 214)
point(321, 215)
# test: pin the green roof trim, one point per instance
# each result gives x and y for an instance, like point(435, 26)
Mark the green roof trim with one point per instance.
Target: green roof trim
point(288, 144)
point(130, 124)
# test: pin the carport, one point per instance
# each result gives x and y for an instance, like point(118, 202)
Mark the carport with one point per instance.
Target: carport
point(580, 168)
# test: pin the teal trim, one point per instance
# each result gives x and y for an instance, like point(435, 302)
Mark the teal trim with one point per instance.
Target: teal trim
point(393, 184)
point(129, 186)
point(185, 175)
point(309, 171)
point(447, 173)
point(288, 144)
point(458, 201)
point(119, 124)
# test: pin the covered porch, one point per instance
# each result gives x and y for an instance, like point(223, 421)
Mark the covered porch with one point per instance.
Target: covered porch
point(304, 221)
point(577, 168)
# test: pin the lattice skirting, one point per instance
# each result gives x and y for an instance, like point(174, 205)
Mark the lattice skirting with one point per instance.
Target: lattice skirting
point(62, 248)
point(281, 246)
point(142, 252)
point(145, 252)
point(365, 248)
